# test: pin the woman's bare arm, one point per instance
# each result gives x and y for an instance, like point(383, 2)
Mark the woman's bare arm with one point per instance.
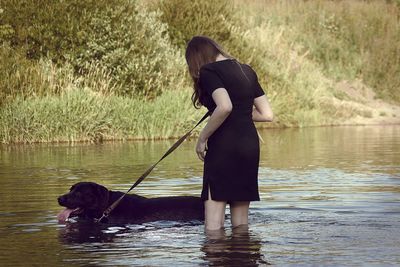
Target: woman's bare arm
point(262, 111)
point(220, 113)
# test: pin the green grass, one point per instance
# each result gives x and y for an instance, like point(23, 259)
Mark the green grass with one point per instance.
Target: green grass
point(119, 72)
point(116, 36)
point(84, 115)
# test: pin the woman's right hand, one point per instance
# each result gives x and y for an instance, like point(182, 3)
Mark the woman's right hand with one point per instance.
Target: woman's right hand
point(201, 148)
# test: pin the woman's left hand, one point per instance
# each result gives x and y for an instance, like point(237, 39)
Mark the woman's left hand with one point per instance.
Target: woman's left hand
point(201, 148)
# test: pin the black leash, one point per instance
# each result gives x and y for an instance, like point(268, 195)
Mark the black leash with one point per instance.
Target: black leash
point(107, 211)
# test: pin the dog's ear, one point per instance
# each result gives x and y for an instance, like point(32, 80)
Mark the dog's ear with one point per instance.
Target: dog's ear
point(76, 186)
point(72, 187)
point(101, 193)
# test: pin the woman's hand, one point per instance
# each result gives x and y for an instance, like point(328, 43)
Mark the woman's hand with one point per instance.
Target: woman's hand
point(201, 148)
point(220, 113)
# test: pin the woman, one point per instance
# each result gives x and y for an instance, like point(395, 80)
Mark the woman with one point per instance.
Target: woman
point(228, 144)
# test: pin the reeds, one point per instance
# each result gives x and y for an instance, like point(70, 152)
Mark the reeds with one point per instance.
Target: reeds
point(83, 115)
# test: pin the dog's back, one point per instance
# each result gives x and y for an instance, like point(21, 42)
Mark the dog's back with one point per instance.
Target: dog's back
point(175, 208)
point(92, 199)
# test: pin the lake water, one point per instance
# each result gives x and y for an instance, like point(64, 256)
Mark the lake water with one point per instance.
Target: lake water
point(330, 196)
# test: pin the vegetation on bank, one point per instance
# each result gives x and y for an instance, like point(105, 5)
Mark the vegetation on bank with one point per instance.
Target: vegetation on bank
point(347, 39)
point(84, 115)
point(113, 36)
point(114, 69)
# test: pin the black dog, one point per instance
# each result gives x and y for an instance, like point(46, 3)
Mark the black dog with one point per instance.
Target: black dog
point(88, 200)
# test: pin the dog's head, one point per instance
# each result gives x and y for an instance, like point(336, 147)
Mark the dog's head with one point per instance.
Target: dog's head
point(84, 199)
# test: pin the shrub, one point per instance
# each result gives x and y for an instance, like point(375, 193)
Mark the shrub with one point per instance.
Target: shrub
point(20, 76)
point(120, 37)
point(206, 17)
point(199, 17)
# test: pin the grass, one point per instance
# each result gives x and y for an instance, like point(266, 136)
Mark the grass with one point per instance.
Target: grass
point(84, 115)
point(68, 84)
point(54, 105)
point(347, 39)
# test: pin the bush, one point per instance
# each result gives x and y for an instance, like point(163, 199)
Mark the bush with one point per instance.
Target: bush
point(20, 76)
point(120, 37)
point(199, 17)
point(215, 19)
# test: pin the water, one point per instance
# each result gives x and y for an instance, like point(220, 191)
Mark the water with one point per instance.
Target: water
point(330, 196)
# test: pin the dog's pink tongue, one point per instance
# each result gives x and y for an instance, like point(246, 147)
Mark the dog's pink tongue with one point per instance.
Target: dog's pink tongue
point(64, 214)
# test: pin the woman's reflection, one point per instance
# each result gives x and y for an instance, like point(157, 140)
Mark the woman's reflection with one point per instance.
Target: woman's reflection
point(241, 248)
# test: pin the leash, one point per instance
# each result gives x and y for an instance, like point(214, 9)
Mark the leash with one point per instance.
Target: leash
point(107, 211)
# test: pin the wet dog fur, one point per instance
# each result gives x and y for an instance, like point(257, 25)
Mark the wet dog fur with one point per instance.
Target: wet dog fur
point(89, 200)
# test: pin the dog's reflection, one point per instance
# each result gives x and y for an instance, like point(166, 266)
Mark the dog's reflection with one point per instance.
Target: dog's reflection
point(83, 232)
point(241, 248)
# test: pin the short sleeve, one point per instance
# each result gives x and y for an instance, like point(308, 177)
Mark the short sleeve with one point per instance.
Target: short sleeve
point(258, 91)
point(209, 80)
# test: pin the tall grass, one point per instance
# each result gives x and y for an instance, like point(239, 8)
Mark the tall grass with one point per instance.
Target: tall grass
point(299, 91)
point(348, 39)
point(24, 78)
point(80, 114)
point(115, 69)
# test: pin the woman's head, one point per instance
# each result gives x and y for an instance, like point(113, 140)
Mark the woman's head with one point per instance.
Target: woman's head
point(201, 50)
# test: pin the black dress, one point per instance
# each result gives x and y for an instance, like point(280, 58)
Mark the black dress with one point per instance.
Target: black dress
point(231, 161)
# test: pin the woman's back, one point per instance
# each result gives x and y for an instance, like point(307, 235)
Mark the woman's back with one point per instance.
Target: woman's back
point(231, 162)
point(239, 80)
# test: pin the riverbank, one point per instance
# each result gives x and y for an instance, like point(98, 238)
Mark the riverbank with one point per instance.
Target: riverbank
point(80, 114)
point(375, 110)
point(84, 116)
point(85, 84)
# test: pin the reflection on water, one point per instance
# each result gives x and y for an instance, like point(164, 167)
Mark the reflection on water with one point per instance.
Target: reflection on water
point(240, 248)
point(85, 232)
point(330, 196)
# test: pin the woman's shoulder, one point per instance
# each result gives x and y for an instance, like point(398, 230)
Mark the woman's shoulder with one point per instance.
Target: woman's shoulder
point(221, 67)
point(215, 64)
point(250, 69)
point(207, 66)
point(247, 66)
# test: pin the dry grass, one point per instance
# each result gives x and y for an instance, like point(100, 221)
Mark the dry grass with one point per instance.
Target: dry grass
point(348, 39)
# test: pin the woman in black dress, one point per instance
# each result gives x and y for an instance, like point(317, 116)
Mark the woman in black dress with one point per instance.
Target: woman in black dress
point(228, 144)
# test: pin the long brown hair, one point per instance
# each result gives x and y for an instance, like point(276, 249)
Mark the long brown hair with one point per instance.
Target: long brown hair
point(201, 50)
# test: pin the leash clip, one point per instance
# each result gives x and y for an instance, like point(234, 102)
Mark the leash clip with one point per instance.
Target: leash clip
point(105, 215)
